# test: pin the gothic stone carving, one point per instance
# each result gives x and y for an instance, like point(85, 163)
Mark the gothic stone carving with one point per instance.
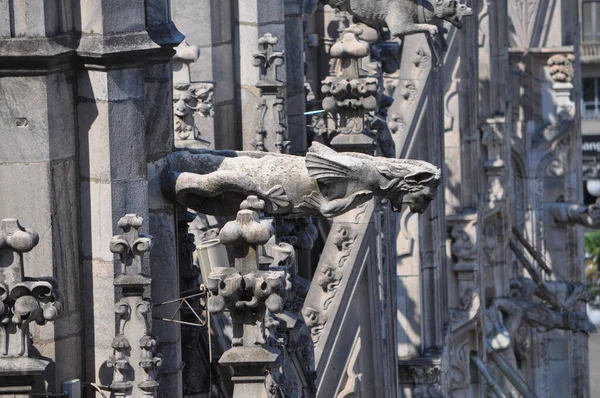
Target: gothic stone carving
point(325, 182)
point(567, 213)
point(134, 358)
point(329, 277)
point(405, 17)
point(190, 99)
point(561, 67)
point(22, 300)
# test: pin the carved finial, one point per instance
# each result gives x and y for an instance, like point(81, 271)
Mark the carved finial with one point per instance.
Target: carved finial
point(131, 246)
point(350, 50)
point(561, 67)
point(22, 300)
point(247, 228)
point(266, 58)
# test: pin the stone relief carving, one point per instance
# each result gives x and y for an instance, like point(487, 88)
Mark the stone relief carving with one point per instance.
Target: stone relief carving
point(23, 300)
point(134, 358)
point(329, 277)
point(324, 183)
point(405, 17)
point(190, 99)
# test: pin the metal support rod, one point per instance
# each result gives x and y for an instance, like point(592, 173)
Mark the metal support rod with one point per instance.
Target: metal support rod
point(488, 378)
point(535, 254)
point(535, 275)
point(511, 374)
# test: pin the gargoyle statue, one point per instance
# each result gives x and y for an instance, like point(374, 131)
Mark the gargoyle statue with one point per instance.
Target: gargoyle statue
point(405, 17)
point(566, 213)
point(324, 183)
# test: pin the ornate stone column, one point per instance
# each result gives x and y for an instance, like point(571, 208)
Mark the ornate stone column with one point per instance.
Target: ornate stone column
point(23, 300)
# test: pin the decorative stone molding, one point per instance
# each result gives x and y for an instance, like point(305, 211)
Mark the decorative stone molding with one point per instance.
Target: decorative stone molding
point(404, 17)
point(329, 277)
point(134, 359)
point(216, 182)
point(22, 300)
point(423, 375)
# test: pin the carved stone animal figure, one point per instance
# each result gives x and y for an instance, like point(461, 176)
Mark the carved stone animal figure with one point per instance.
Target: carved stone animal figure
point(324, 183)
point(405, 17)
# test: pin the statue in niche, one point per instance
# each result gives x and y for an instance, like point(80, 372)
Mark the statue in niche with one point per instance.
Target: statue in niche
point(405, 17)
point(324, 183)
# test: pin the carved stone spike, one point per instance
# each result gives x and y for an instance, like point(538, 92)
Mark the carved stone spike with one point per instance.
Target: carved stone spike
point(216, 182)
point(22, 300)
point(404, 17)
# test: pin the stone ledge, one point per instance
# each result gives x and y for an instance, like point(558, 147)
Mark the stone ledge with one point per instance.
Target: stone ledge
point(44, 55)
point(22, 366)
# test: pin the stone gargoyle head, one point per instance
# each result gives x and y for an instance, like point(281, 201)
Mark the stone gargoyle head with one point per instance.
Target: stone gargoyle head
point(324, 182)
point(416, 189)
point(451, 11)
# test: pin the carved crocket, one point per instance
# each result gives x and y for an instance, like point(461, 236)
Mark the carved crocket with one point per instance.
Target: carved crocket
point(322, 183)
point(404, 17)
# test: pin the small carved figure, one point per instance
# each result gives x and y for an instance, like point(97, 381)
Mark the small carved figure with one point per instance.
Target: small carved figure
point(325, 182)
point(405, 17)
